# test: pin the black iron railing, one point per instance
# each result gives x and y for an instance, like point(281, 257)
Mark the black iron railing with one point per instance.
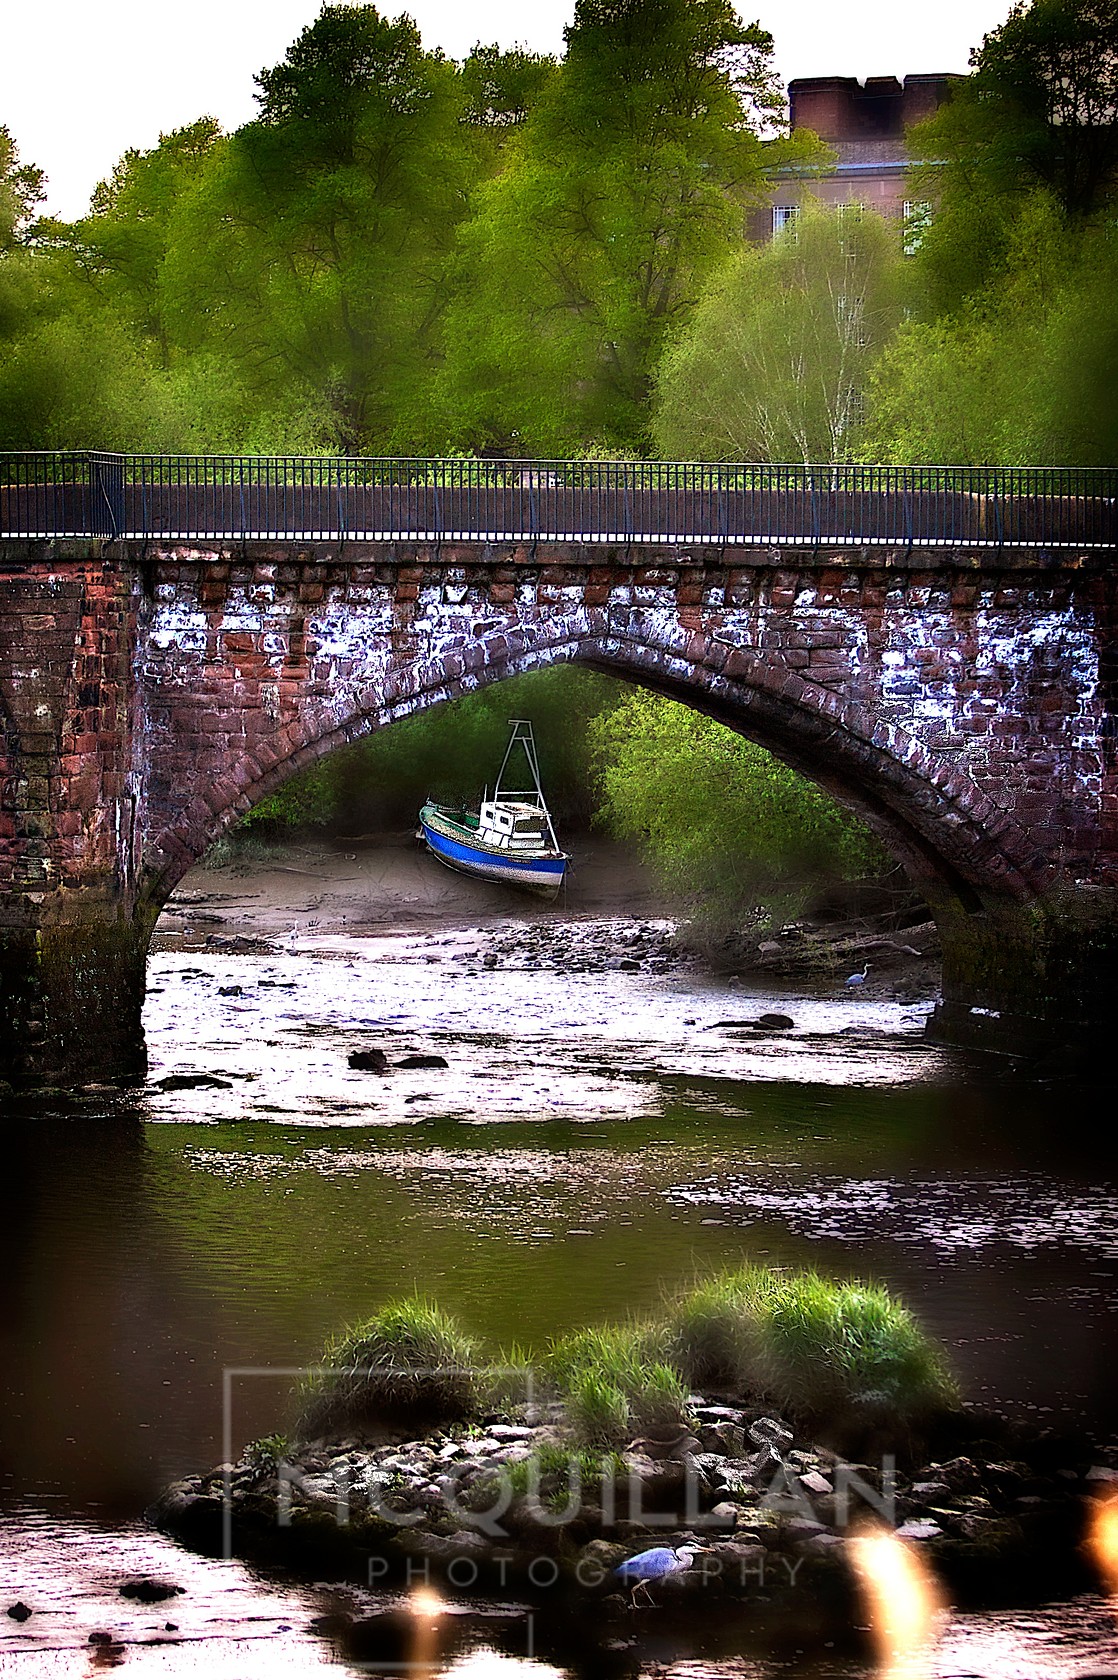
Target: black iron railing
point(91, 494)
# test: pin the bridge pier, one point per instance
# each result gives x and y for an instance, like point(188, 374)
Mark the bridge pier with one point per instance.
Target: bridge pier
point(71, 997)
point(1031, 979)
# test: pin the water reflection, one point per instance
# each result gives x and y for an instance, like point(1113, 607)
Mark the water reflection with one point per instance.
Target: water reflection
point(155, 1238)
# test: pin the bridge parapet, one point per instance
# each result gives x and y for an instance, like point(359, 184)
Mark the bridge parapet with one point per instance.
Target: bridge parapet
point(311, 498)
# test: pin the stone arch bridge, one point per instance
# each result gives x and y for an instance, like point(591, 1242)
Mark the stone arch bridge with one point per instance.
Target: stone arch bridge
point(959, 693)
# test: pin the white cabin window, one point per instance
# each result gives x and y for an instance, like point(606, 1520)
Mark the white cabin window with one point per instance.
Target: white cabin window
point(783, 216)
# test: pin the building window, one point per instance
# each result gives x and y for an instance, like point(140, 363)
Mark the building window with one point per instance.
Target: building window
point(783, 216)
point(849, 216)
point(917, 221)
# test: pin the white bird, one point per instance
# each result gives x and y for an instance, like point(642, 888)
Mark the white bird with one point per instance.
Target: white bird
point(653, 1565)
point(858, 979)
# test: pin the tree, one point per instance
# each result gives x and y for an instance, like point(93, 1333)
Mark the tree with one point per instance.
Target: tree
point(502, 88)
point(313, 253)
point(629, 181)
point(719, 818)
point(118, 251)
point(22, 186)
point(1023, 371)
point(775, 363)
point(1038, 113)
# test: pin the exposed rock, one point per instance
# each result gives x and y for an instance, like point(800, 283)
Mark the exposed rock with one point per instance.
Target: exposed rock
point(930, 1493)
point(815, 1483)
point(422, 1062)
point(193, 1082)
point(368, 1061)
point(147, 1590)
point(20, 1612)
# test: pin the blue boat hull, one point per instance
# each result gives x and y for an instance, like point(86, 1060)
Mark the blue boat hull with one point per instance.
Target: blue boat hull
point(541, 876)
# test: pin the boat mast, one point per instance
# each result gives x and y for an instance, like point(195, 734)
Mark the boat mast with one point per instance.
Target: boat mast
point(521, 734)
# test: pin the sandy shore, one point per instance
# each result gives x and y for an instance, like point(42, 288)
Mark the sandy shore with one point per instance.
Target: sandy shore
point(376, 885)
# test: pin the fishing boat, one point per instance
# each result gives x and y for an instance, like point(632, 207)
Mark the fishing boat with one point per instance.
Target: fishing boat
point(510, 838)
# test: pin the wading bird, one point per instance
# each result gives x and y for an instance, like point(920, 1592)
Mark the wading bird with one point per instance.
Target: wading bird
point(858, 979)
point(653, 1565)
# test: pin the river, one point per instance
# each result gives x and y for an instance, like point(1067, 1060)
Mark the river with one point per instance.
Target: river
point(598, 1135)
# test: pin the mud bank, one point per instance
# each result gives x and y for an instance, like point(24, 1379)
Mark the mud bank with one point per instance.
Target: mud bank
point(612, 914)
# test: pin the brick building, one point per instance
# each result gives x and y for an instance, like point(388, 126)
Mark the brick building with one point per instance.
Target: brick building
point(865, 124)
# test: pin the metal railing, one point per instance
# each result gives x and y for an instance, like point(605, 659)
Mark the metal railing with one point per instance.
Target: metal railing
point(230, 497)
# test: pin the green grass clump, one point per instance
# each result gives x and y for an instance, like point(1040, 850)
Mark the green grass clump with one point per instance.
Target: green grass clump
point(712, 1331)
point(829, 1349)
point(559, 1475)
point(814, 1348)
point(614, 1385)
point(410, 1364)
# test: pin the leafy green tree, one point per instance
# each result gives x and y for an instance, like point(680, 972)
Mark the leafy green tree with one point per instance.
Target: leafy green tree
point(775, 362)
point(721, 820)
point(502, 87)
point(117, 252)
point(313, 253)
point(1039, 113)
point(22, 186)
point(1023, 371)
point(628, 183)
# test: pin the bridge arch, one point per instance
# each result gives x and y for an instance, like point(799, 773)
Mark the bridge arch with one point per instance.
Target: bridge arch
point(955, 843)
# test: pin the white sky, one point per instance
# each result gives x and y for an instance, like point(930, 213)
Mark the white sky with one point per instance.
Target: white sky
point(82, 80)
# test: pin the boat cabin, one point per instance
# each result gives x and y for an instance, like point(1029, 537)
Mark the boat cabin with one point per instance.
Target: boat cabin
point(512, 825)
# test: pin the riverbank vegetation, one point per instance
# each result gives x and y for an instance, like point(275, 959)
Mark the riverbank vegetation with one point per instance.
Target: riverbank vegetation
point(838, 1357)
point(405, 254)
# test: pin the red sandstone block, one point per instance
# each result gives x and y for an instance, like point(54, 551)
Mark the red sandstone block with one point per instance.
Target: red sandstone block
point(83, 793)
point(311, 592)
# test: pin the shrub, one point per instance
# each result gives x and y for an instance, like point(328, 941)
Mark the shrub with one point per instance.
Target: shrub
point(815, 1348)
point(559, 1476)
point(408, 1364)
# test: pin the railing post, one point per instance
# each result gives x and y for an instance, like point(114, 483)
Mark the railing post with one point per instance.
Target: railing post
point(108, 472)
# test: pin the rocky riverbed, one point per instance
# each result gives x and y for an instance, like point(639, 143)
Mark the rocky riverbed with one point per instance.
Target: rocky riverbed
point(1000, 1509)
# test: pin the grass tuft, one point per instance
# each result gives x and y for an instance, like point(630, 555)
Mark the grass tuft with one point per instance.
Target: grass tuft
point(409, 1364)
point(832, 1348)
point(712, 1332)
point(614, 1384)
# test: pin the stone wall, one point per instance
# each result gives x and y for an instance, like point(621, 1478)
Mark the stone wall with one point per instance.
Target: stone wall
point(961, 704)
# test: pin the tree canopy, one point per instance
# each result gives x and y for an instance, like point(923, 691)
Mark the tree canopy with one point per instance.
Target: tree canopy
point(774, 363)
point(628, 184)
point(405, 254)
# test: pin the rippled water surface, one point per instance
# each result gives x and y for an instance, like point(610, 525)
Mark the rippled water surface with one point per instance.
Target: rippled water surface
point(594, 1137)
